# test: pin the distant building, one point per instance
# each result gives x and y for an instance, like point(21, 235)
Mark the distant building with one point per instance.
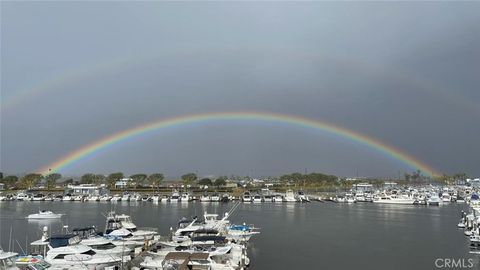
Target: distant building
point(388, 185)
point(124, 183)
point(87, 189)
point(363, 187)
point(2, 186)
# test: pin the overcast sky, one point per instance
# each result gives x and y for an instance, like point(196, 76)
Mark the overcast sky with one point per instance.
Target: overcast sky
point(404, 73)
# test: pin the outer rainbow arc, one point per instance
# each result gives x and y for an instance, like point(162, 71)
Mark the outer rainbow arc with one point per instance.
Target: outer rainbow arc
point(379, 146)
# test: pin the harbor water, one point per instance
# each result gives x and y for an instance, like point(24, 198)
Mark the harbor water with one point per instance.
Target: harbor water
point(293, 236)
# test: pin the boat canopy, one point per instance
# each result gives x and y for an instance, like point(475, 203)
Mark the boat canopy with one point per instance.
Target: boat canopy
point(63, 240)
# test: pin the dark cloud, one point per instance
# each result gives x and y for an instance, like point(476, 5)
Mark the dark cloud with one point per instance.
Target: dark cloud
point(405, 73)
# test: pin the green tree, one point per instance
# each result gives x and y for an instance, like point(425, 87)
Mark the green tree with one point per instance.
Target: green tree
point(68, 182)
point(189, 178)
point(155, 179)
point(221, 181)
point(98, 179)
point(10, 181)
point(113, 178)
point(30, 180)
point(51, 180)
point(88, 178)
point(139, 178)
point(205, 182)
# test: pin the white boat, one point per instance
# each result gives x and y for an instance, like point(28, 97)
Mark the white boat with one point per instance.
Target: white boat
point(393, 199)
point(289, 196)
point(7, 260)
point(38, 197)
point(22, 197)
point(302, 197)
point(116, 198)
point(246, 197)
point(277, 198)
point(205, 198)
point(349, 198)
point(175, 196)
point(215, 197)
point(44, 214)
point(126, 197)
point(67, 197)
point(434, 200)
point(446, 198)
point(257, 198)
point(156, 198)
point(99, 244)
point(105, 198)
point(186, 197)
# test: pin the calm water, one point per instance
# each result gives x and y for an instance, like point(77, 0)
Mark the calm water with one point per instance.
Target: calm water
point(293, 236)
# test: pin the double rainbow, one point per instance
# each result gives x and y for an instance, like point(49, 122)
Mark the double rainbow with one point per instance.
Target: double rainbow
point(91, 149)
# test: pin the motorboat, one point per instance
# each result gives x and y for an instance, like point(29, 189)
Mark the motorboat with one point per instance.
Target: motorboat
point(8, 260)
point(126, 197)
point(246, 197)
point(215, 197)
point(38, 197)
point(44, 214)
point(257, 198)
point(289, 196)
point(186, 197)
point(446, 198)
point(175, 196)
point(434, 200)
point(394, 199)
point(277, 198)
point(105, 198)
point(302, 197)
point(156, 198)
point(205, 198)
point(99, 244)
point(67, 197)
point(22, 197)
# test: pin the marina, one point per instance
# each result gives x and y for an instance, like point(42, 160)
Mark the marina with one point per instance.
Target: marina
point(172, 231)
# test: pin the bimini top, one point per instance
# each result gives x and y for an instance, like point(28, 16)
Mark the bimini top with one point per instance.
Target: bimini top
point(186, 256)
point(206, 231)
point(63, 240)
point(474, 196)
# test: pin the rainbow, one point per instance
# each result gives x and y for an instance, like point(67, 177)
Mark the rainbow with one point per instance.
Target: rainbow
point(93, 148)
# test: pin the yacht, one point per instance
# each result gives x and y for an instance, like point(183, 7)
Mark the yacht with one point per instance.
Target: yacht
point(117, 221)
point(105, 198)
point(246, 197)
point(257, 198)
point(67, 251)
point(22, 197)
point(349, 198)
point(116, 198)
point(205, 198)
point(68, 197)
point(215, 197)
point(394, 199)
point(175, 196)
point(99, 244)
point(44, 214)
point(7, 260)
point(38, 197)
point(434, 200)
point(126, 197)
point(289, 196)
point(302, 197)
point(186, 197)
point(277, 198)
point(156, 198)
point(446, 198)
